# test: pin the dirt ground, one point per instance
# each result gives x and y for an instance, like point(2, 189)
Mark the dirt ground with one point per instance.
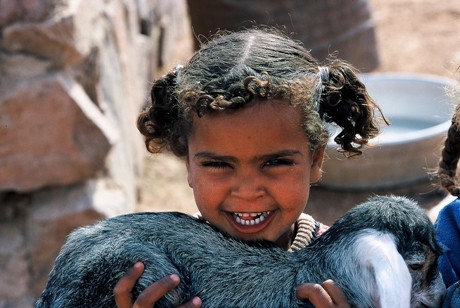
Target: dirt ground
point(419, 36)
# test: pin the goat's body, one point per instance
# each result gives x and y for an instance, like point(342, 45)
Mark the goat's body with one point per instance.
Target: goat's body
point(225, 272)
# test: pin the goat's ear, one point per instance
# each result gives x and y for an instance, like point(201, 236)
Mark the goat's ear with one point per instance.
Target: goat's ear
point(377, 253)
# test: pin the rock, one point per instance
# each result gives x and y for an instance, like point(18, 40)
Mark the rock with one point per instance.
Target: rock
point(50, 134)
point(15, 67)
point(54, 213)
point(74, 75)
point(66, 38)
point(34, 226)
point(15, 280)
point(25, 10)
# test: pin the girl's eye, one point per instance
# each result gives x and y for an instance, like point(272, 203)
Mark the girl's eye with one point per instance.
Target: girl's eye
point(279, 162)
point(215, 164)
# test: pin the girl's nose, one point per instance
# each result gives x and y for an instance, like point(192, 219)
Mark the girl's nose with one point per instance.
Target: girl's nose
point(248, 186)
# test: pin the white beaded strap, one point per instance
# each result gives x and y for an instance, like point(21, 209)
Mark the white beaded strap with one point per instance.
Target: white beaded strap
point(305, 227)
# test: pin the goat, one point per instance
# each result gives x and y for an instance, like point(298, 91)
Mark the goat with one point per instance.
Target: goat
point(382, 253)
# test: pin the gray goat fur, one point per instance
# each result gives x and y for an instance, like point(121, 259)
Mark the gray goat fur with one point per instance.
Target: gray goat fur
point(225, 272)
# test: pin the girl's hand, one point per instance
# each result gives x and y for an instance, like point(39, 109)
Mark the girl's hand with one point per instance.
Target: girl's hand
point(151, 294)
point(325, 295)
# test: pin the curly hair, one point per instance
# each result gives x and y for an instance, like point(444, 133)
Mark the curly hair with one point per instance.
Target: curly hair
point(234, 69)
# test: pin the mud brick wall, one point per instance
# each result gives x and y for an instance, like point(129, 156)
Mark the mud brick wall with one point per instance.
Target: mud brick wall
point(73, 76)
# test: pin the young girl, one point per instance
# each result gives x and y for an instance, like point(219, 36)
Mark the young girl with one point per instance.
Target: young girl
point(448, 221)
point(248, 115)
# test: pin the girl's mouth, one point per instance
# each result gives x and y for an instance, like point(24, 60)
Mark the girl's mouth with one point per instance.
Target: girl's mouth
point(250, 223)
point(250, 219)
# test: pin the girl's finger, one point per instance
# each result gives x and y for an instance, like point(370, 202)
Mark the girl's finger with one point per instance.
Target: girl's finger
point(156, 291)
point(193, 303)
point(336, 294)
point(123, 288)
point(316, 294)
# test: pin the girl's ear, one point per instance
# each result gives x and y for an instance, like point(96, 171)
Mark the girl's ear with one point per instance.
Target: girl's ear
point(316, 164)
point(189, 176)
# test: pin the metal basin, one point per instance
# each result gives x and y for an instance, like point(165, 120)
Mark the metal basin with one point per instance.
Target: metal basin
point(420, 112)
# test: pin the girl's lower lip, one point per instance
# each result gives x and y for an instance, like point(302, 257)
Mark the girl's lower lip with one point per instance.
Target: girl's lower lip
point(249, 229)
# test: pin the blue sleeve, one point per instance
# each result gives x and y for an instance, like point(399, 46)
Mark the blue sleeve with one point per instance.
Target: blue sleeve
point(452, 299)
point(448, 232)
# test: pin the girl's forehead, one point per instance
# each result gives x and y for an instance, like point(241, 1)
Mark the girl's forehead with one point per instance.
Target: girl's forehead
point(270, 115)
point(250, 132)
point(279, 109)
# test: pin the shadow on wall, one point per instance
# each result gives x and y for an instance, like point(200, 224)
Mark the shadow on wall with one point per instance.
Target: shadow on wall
point(324, 27)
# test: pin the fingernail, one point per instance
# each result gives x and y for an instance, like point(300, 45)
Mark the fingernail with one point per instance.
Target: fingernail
point(196, 301)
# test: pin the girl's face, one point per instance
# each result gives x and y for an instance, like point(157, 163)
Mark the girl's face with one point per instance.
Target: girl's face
point(251, 170)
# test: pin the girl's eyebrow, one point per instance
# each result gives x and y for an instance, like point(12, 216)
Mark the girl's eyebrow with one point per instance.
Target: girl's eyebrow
point(283, 153)
point(212, 155)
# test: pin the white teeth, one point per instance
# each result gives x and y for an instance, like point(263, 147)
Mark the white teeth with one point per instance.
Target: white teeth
point(258, 218)
point(251, 214)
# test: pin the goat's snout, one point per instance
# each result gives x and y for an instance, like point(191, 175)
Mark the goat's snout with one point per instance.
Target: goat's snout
point(438, 290)
point(430, 295)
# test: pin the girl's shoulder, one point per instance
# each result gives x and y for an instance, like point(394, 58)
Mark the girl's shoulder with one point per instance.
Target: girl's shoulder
point(448, 218)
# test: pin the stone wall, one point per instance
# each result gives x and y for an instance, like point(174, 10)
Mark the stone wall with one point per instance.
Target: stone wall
point(73, 76)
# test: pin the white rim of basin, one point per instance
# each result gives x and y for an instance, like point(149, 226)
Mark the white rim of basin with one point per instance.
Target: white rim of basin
point(413, 136)
point(421, 129)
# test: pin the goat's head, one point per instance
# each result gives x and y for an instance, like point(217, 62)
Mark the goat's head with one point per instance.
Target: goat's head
point(421, 257)
point(415, 240)
point(417, 243)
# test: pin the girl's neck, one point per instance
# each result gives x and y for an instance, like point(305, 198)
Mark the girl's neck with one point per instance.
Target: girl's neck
point(287, 238)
